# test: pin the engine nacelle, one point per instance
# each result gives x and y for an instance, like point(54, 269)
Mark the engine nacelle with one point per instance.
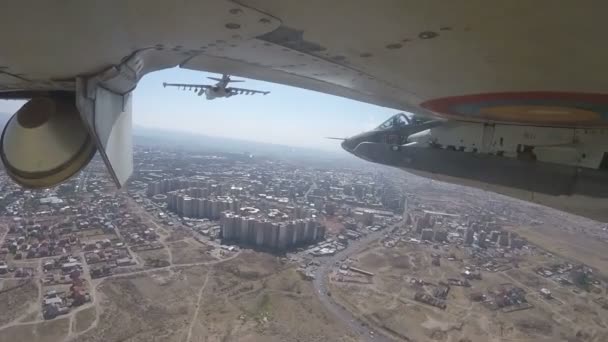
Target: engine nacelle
point(211, 93)
point(46, 142)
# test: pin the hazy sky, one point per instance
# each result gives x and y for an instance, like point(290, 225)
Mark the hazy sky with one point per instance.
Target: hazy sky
point(288, 116)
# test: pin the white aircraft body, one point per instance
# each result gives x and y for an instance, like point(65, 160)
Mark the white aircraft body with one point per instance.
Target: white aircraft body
point(519, 86)
point(220, 89)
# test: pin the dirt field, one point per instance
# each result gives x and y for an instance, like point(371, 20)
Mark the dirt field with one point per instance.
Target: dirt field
point(263, 300)
point(49, 331)
point(147, 306)
point(387, 300)
point(16, 298)
point(254, 297)
point(333, 225)
point(153, 256)
point(178, 233)
point(32, 316)
point(189, 251)
point(84, 319)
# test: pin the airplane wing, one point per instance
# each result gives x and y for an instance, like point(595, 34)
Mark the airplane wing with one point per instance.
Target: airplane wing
point(184, 86)
point(453, 60)
point(237, 91)
point(539, 85)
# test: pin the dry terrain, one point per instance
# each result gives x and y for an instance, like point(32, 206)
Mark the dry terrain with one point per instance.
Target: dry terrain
point(46, 331)
point(84, 319)
point(153, 257)
point(188, 251)
point(251, 297)
point(17, 297)
point(387, 300)
point(576, 246)
point(145, 306)
point(263, 300)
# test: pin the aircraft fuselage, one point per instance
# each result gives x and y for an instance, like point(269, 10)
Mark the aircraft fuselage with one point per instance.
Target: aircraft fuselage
point(563, 168)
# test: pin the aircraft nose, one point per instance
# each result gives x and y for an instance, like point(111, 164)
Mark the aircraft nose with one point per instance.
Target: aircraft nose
point(346, 145)
point(350, 144)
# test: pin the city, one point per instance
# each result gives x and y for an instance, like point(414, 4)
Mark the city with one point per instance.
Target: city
point(236, 246)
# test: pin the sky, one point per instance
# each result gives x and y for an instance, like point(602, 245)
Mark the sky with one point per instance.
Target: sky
point(287, 116)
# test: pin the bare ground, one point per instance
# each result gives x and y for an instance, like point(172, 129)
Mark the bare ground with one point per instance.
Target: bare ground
point(388, 302)
point(16, 302)
point(84, 319)
point(189, 251)
point(147, 306)
point(48, 331)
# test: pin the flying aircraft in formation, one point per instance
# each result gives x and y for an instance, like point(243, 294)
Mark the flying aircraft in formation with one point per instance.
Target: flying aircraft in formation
point(220, 89)
point(521, 104)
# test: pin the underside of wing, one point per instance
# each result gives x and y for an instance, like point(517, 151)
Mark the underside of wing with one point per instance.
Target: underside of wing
point(459, 60)
point(244, 91)
point(182, 86)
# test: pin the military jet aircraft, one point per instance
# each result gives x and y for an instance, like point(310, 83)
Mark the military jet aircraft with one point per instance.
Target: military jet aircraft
point(220, 89)
point(547, 169)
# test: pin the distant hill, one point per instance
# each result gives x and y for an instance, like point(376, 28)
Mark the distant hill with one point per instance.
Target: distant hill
point(199, 142)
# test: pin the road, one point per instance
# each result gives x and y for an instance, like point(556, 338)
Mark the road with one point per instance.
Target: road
point(82, 182)
point(312, 187)
point(198, 306)
point(321, 281)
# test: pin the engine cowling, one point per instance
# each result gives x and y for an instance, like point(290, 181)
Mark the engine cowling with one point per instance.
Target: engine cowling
point(45, 142)
point(212, 93)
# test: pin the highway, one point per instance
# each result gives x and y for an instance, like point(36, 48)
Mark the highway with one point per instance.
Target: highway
point(320, 284)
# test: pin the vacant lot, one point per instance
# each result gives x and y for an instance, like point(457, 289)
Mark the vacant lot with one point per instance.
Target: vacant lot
point(17, 298)
point(248, 305)
point(153, 257)
point(48, 331)
point(189, 251)
point(147, 306)
point(254, 297)
point(387, 300)
point(84, 319)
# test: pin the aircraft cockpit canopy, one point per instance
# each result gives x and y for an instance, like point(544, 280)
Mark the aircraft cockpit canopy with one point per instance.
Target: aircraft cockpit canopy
point(395, 122)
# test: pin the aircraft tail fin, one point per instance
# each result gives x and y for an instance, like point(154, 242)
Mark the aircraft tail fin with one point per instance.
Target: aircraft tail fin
point(225, 78)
